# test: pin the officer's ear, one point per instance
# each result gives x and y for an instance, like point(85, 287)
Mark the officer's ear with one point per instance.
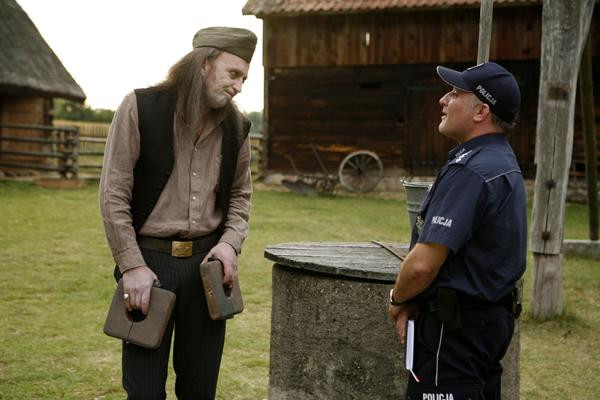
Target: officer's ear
point(482, 112)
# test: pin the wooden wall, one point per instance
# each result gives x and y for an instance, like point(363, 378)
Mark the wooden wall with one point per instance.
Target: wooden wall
point(23, 111)
point(578, 160)
point(407, 37)
point(337, 109)
point(439, 36)
point(391, 110)
point(327, 84)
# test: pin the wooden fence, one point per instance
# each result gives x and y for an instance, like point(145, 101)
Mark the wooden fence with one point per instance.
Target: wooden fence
point(92, 139)
point(36, 147)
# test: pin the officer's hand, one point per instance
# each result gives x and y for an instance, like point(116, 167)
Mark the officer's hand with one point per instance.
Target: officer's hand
point(137, 283)
point(228, 257)
point(400, 316)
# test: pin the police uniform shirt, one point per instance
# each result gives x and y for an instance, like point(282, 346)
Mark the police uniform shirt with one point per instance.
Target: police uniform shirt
point(477, 208)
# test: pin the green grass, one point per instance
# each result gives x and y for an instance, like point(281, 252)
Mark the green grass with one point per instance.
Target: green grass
point(58, 284)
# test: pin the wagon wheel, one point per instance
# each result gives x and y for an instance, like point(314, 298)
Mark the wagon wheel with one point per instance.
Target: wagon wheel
point(360, 171)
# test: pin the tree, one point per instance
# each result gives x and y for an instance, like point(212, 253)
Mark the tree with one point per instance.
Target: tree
point(256, 118)
point(65, 109)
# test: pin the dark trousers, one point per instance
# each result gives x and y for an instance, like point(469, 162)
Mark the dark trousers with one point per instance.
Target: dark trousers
point(198, 343)
point(465, 361)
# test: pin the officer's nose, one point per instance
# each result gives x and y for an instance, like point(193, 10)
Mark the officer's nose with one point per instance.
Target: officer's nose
point(443, 100)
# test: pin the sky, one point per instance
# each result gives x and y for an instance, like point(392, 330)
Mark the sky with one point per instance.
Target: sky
point(111, 47)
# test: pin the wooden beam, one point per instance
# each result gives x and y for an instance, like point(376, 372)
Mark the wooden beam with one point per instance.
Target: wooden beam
point(565, 27)
point(266, 123)
point(588, 116)
point(547, 285)
point(485, 30)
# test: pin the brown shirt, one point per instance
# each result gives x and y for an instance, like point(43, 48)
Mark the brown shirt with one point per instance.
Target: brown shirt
point(187, 206)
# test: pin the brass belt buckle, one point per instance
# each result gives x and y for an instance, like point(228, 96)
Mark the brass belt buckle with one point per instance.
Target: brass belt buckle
point(181, 249)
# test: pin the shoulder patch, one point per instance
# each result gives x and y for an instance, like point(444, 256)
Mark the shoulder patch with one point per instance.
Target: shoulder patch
point(462, 158)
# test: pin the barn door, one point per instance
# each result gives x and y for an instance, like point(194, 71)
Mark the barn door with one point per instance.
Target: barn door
point(426, 149)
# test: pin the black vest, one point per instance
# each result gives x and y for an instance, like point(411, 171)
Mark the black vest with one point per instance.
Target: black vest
point(156, 110)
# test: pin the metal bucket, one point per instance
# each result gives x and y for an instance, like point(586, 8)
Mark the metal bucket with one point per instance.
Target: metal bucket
point(415, 194)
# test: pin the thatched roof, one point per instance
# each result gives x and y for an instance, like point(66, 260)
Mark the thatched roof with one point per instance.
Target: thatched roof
point(262, 8)
point(27, 63)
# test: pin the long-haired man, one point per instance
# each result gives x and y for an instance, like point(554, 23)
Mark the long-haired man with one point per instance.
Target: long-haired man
point(175, 190)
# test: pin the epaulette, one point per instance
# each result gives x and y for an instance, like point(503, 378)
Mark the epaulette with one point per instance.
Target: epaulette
point(463, 157)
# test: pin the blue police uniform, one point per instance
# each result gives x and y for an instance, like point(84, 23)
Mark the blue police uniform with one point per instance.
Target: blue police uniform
point(476, 208)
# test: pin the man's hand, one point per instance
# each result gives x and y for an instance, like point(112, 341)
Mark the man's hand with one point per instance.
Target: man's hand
point(400, 316)
point(228, 257)
point(137, 283)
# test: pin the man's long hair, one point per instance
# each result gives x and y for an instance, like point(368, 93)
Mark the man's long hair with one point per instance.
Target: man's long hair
point(186, 83)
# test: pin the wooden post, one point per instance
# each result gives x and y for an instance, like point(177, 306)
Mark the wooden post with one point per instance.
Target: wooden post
point(485, 30)
point(588, 116)
point(266, 126)
point(565, 27)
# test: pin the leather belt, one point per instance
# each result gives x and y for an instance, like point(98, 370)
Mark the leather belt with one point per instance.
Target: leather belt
point(471, 303)
point(179, 248)
point(510, 302)
point(467, 302)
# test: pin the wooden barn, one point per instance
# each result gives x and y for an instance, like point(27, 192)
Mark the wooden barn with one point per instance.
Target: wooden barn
point(360, 74)
point(31, 75)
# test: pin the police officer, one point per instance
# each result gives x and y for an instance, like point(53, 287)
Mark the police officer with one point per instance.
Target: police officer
point(468, 245)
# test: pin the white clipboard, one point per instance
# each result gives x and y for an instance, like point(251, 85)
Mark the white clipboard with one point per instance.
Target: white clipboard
point(410, 347)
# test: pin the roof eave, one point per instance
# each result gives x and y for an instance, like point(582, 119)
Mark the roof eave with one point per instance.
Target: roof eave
point(260, 13)
point(23, 90)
